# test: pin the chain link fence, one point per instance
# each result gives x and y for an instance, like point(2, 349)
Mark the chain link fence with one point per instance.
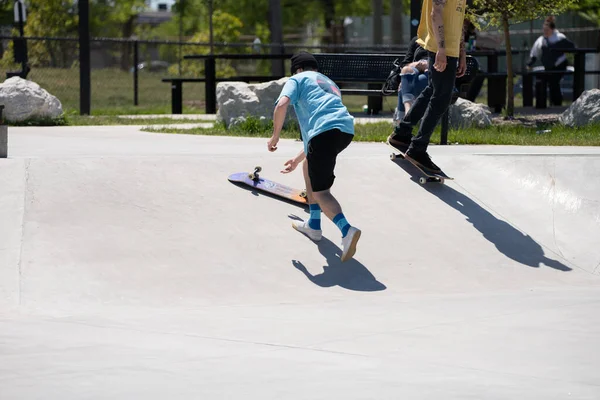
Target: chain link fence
point(126, 75)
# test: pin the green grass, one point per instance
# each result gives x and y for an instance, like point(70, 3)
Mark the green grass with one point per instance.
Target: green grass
point(378, 132)
point(112, 92)
point(78, 120)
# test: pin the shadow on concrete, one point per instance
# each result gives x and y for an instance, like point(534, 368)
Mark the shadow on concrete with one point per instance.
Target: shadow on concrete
point(351, 275)
point(508, 240)
point(257, 193)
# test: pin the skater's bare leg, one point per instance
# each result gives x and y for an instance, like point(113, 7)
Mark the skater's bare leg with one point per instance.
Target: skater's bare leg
point(309, 193)
point(324, 199)
point(329, 204)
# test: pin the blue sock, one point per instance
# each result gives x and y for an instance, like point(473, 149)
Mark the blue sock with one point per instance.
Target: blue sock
point(315, 217)
point(341, 223)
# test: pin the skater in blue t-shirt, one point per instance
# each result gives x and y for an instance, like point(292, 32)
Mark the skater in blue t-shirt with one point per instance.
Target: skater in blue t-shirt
point(327, 129)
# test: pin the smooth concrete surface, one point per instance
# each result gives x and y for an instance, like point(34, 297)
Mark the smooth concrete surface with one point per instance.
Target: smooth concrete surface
point(130, 268)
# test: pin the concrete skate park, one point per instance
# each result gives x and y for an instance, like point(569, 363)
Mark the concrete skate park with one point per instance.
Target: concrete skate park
point(131, 268)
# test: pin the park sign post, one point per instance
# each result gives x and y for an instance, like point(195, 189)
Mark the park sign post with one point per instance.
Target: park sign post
point(20, 13)
point(20, 45)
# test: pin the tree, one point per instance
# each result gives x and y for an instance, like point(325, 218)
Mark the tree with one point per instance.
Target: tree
point(588, 9)
point(503, 13)
point(53, 18)
point(116, 18)
point(397, 14)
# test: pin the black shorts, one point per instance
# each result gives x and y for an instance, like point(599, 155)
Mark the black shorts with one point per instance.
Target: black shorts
point(322, 154)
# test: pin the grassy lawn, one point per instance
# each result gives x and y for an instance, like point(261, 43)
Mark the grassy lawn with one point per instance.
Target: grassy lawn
point(378, 132)
point(112, 92)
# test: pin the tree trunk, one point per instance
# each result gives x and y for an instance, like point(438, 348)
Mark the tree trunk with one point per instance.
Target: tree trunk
point(277, 66)
point(329, 16)
point(377, 22)
point(510, 105)
point(397, 14)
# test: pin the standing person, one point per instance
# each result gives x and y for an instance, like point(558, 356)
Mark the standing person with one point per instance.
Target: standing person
point(327, 129)
point(551, 60)
point(441, 34)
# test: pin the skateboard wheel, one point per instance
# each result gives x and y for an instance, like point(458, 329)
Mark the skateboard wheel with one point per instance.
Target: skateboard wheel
point(258, 168)
point(392, 156)
point(303, 194)
point(422, 181)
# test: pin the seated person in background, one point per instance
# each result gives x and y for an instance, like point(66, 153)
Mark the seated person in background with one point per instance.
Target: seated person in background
point(414, 77)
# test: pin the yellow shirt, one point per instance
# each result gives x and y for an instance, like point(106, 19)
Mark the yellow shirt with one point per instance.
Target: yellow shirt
point(453, 16)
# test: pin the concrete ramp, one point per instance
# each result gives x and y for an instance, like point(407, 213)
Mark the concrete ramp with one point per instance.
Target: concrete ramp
point(131, 268)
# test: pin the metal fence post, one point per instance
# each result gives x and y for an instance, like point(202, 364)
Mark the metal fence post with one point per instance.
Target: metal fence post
point(3, 135)
point(136, 61)
point(211, 85)
point(579, 75)
point(85, 73)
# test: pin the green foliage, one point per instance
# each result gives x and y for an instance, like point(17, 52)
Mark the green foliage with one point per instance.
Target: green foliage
point(516, 11)
point(114, 18)
point(588, 9)
point(58, 121)
point(226, 29)
point(48, 18)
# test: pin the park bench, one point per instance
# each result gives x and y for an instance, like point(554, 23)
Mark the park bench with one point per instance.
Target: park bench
point(342, 68)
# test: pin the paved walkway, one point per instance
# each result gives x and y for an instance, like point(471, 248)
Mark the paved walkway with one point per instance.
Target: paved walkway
point(131, 268)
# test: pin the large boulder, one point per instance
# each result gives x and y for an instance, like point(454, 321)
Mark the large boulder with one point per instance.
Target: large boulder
point(23, 100)
point(238, 101)
point(466, 114)
point(585, 110)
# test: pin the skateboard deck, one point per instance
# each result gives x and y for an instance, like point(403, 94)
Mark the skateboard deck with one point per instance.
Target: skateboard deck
point(253, 180)
point(429, 177)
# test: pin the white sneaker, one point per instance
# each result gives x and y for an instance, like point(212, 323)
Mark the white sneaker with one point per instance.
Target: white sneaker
point(349, 243)
point(314, 234)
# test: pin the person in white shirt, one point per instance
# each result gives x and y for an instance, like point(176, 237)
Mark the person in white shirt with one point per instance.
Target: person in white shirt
point(551, 60)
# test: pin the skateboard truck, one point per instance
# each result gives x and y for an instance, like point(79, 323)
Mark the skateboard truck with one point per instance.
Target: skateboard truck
point(254, 175)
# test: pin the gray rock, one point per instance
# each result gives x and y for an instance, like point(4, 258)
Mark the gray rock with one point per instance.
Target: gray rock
point(585, 110)
point(238, 101)
point(466, 114)
point(23, 100)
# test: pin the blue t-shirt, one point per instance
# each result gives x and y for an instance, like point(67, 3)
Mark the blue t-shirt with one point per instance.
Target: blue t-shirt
point(318, 104)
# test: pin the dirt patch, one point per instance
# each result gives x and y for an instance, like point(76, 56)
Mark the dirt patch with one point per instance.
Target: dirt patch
point(530, 117)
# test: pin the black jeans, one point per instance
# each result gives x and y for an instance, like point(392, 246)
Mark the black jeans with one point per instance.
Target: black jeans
point(553, 82)
point(430, 105)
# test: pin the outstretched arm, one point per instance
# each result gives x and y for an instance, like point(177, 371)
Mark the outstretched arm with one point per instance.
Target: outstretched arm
point(278, 120)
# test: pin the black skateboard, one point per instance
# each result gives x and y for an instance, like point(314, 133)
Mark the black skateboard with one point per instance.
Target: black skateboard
point(429, 177)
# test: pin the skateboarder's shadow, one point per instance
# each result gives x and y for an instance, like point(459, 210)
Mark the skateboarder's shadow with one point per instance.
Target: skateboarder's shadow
point(508, 240)
point(351, 275)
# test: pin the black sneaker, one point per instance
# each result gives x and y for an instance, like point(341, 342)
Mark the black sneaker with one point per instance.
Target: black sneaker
point(423, 160)
point(399, 142)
